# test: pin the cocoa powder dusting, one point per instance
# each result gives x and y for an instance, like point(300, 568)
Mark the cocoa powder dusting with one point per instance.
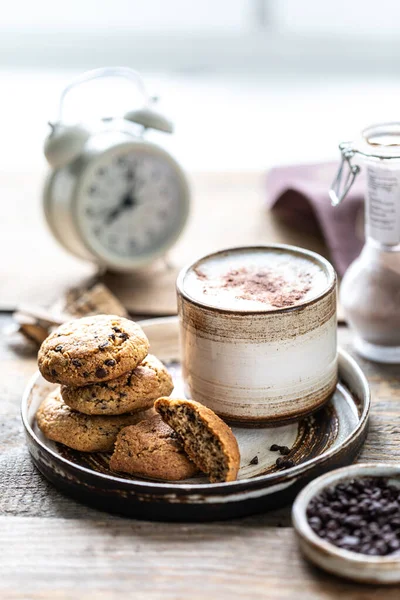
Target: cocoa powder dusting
point(261, 285)
point(200, 273)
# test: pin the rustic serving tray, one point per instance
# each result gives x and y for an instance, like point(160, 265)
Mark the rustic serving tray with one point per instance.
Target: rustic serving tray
point(330, 438)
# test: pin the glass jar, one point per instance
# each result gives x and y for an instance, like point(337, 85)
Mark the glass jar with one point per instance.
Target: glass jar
point(370, 290)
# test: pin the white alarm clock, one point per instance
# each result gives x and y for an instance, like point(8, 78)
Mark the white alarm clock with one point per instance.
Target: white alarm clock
point(113, 197)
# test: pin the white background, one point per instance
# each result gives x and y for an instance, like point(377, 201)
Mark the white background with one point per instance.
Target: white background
point(249, 83)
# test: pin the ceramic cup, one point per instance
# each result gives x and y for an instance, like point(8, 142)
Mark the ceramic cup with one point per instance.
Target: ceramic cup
point(258, 332)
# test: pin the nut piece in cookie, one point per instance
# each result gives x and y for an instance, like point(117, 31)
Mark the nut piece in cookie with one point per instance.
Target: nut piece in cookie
point(92, 349)
point(151, 449)
point(207, 440)
point(60, 423)
point(135, 390)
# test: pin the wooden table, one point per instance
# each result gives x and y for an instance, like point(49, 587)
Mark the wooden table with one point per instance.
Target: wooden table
point(52, 547)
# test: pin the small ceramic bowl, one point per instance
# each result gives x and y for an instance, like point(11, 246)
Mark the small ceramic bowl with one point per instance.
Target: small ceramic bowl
point(351, 565)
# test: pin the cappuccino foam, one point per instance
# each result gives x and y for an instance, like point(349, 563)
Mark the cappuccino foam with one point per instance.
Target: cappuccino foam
point(256, 279)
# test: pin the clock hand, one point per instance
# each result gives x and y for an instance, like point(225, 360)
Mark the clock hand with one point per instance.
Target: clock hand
point(135, 182)
point(127, 202)
point(132, 180)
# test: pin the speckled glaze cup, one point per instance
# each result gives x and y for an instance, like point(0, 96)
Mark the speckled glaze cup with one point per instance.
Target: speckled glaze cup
point(258, 333)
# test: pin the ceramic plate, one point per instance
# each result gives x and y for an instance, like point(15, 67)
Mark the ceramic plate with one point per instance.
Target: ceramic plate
point(330, 438)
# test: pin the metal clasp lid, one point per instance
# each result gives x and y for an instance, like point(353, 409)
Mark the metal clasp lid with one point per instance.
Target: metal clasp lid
point(343, 181)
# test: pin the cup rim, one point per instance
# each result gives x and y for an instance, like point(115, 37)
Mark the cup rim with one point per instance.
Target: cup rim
point(314, 256)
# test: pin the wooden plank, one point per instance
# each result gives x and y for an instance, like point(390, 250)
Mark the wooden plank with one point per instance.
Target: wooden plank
point(61, 558)
point(52, 547)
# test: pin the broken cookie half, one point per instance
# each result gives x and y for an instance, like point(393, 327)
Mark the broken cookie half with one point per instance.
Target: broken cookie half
point(206, 439)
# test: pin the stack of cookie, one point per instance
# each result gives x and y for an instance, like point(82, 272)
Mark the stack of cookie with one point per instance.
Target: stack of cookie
point(113, 396)
point(108, 381)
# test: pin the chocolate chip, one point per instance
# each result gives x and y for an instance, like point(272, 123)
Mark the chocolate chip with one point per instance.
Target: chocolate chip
point(123, 336)
point(116, 329)
point(103, 345)
point(110, 362)
point(58, 348)
point(112, 336)
point(281, 449)
point(394, 544)
point(76, 362)
point(53, 372)
point(315, 523)
point(254, 461)
point(361, 515)
point(284, 463)
point(349, 540)
point(101, 373)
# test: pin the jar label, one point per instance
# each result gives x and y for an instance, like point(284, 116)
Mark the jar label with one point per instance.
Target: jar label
point(383, 205)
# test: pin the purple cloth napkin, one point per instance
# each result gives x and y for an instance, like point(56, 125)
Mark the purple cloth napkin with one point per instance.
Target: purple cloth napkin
point(300, 194)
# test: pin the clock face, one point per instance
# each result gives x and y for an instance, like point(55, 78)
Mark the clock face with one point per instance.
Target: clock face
point(132, 205)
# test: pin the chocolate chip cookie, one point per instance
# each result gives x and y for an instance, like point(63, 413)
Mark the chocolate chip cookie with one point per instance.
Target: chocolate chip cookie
point(81, 432)
point(151, 449)
point(207, 440)
point(135, 390)
point(92, 349)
